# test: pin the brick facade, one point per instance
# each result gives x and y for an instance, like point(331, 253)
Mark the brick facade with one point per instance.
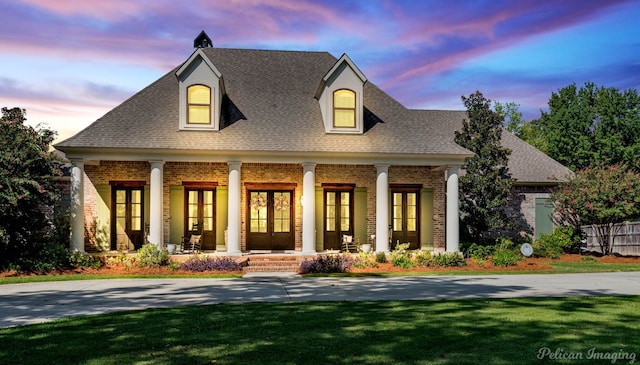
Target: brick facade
point(175, 173)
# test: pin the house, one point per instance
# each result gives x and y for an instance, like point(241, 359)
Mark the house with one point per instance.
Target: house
point(265, 151)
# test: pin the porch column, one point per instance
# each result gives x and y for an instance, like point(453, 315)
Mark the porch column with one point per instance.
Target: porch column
point(309, 209)
point(382, 208)
point(453, 215)
point(76, 239)
point(233, 245)
point(156, 203)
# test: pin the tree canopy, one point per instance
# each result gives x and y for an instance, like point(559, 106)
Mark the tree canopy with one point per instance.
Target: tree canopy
point(589, 126)
point(27, 166)
point(602, 196)
point(486, 183)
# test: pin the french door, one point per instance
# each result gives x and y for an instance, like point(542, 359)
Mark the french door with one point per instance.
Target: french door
point(405, 222)
point(338, 217)
point(127, 217)
point(200, 215)
point(270, 217)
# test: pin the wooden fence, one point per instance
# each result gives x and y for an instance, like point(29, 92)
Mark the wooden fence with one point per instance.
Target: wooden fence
point(626, 239)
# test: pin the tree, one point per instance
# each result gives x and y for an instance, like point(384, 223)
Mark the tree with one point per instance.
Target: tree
point(592, 125)
point(26, 188)
point(602, 196)
point(485, 185)
point(528, 131)
point(512, 115)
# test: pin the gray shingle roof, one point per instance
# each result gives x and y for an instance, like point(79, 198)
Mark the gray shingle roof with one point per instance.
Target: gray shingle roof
point(527, 164)
point(270, 106)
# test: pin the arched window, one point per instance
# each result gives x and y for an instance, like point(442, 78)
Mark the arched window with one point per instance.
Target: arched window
point(198, 104)
point(344, 109)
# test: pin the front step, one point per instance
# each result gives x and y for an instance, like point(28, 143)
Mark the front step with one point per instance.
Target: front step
point(273, 264)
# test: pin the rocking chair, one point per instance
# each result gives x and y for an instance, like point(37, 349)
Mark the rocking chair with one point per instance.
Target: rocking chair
point(350, 244)
point(192, 243)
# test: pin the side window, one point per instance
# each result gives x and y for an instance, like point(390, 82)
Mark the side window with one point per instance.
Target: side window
point(344, 109)
point(198, 104)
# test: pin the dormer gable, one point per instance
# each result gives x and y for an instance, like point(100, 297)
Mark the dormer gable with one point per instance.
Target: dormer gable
point(340, 95)
point(201, 88)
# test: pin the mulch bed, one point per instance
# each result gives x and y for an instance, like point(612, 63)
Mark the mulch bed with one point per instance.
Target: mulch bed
point(528, 264)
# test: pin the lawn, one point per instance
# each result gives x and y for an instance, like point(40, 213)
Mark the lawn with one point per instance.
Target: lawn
point(507, 331)
point(574, 265)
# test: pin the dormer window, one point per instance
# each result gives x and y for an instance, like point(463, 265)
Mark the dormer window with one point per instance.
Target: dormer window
point(344, 109)
point(201, 89)
point(341, 98)
point(198, 104)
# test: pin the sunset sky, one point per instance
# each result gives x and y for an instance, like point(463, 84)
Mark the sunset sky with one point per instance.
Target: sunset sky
point(67, 62)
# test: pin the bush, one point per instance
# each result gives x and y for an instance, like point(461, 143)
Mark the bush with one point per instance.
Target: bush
point(562, 240)
point(208, 263)
point(381, 257)
point(423, 258)
point(326, 264)
point(400, 257)
point(81, 259)
point(122, 260)
point(447, 259)
point(42, 258)
point(150, 256)
point(364, 259)
point(480, 253)
point(505, 258)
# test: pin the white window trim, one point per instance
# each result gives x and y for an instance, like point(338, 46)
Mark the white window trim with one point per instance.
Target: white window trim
point(199, 70)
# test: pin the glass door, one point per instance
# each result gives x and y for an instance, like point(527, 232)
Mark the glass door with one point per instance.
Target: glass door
point(127, 218)
point(270, 217)
point(338, 217)
point(199, 215)
point(404, 218)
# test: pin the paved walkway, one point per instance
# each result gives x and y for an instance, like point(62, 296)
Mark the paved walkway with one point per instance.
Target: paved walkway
point(22, 304)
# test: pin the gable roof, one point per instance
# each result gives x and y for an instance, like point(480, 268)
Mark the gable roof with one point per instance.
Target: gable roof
point(269, 109)
point(270, 106)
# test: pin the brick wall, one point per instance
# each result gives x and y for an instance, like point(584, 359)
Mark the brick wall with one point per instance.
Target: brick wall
point(177, 172)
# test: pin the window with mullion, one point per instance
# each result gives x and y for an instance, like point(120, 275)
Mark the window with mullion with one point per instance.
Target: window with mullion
point(198, 104)
point(344, 109)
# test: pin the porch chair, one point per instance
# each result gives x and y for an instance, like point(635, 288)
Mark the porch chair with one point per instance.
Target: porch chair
point(192, 243)
point(349, 244)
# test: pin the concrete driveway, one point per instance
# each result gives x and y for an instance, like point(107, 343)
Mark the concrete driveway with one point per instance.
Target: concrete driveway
point(22, 304)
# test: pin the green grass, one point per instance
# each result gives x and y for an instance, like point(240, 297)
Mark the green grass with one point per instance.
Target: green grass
point(507, 331)
point(67, 277)
point(558, 268)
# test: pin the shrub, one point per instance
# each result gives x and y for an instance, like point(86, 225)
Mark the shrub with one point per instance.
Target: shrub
point(122, 260)
point(447, 259)
point(555, 244)
point(208, 263)
point(505, 258)
point(480, 253)
point(326, 264)
point(400, 257)
point(364, 259)
point(81, 259)
point(42, 258)
point(381, 257)
point(150, 256)
point(422, 258)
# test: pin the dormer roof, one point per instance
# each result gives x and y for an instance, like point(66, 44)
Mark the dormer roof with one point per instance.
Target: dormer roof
point(343, 60)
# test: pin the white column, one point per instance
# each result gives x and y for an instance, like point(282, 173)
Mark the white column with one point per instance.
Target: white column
point(453, 215)
point(76, 239)
point(233, 245)
point(382, 208)
point(309, 209)
point(156, 203)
